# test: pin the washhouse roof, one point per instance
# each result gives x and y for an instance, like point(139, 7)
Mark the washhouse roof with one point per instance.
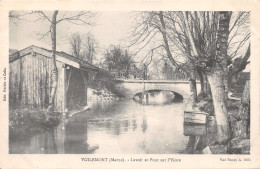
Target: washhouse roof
point(60, 56)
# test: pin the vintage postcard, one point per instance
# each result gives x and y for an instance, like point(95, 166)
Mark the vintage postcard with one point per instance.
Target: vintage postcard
point(131, 84)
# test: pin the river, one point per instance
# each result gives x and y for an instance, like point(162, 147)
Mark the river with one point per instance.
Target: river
point(121, 126)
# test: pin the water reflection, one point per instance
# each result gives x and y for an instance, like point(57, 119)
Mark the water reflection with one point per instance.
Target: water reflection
point(113, 127)
point(76, 137)
point(41, 143)
point(157, 97)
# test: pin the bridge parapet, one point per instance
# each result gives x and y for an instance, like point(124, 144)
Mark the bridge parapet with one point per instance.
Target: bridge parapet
point(150, 81)
point(130, 87)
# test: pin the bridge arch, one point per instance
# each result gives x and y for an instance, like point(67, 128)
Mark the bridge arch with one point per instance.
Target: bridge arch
point(182, 92)
point(178, 97)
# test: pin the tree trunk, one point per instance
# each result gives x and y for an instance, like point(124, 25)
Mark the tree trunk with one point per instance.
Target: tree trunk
point(226, 84)
point(222, 45)
point(202, 83)
point(54, 76)
point(193, 89)
point(208, 89)
point(221, 114)
point(217, 78)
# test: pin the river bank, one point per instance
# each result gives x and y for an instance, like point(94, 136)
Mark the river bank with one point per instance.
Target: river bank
point(24, 121)
point(239, 121)
point(28, 121)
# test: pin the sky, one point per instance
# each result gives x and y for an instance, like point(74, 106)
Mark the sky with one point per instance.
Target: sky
point(110, 28)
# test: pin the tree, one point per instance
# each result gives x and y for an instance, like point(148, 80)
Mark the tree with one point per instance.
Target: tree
point(75, 42)
point(55, 70)
point(191, 37)
point(90, 47)
point(203, 42)
point(167, 71)
point(148, 26)
point(118, 59)
point(201, 30)
point(83, 46)
point(213, 60)
point(78, 18)
point(217, 75)
point(171, 73)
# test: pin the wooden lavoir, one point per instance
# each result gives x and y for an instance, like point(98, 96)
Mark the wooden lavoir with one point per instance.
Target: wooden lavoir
point(195, 117)
point(31, 83)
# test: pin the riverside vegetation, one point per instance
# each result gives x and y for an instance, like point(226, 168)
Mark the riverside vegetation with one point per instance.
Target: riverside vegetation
point(238, 106)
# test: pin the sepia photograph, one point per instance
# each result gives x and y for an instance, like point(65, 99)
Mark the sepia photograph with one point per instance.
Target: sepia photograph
point(129, 82)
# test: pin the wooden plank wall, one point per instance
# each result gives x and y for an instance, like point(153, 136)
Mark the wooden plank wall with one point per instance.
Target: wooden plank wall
point(30, 82)
point(59, 100)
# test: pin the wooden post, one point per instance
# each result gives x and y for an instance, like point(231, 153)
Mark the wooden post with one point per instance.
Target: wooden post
point(64, 89)
point(68, 79)
point(85, 87)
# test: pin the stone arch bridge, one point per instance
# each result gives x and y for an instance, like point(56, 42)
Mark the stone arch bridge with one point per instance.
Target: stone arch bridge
point(130, 87)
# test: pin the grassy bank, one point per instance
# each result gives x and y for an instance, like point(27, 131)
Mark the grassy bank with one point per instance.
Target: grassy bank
point(104, 81)
point(24, 121)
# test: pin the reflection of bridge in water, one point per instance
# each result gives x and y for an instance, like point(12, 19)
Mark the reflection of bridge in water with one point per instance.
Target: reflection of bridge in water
point(130, 87)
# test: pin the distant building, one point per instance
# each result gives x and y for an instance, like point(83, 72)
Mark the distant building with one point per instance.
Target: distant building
point(118, 73)
point(30, 80)
point(133, 73)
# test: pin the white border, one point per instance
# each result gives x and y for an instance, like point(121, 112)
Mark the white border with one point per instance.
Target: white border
point(188, 161)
